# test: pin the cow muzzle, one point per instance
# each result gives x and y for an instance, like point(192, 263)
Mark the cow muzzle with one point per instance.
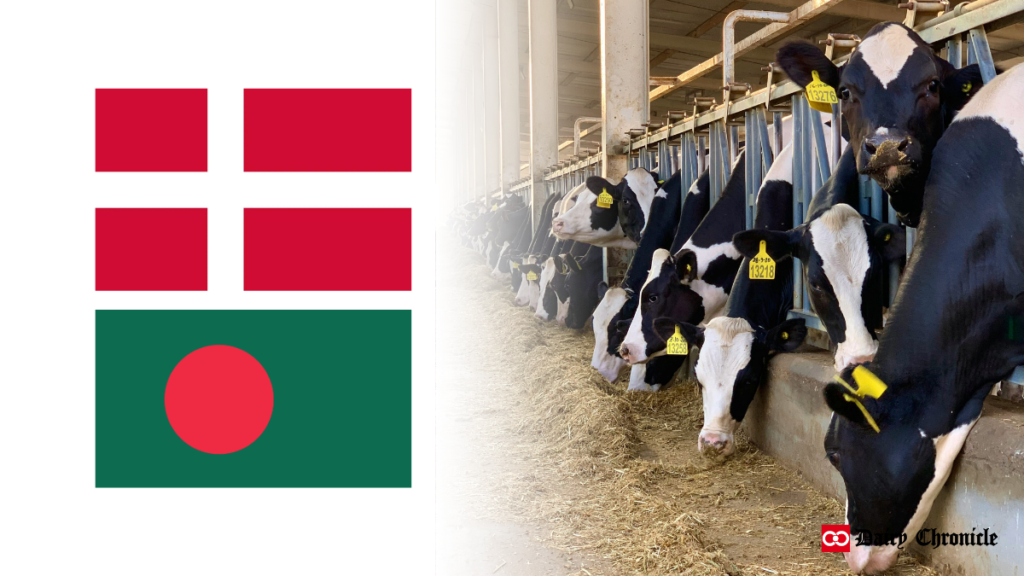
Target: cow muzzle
point(713, 444)
point(887, 158)
point(870, 559)
point(558, 226)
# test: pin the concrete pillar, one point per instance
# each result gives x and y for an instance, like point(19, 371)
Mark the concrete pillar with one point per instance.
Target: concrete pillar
point(543, 98)
point(492, 119)
point(479, 140)
point(508, 56)
point(624, 79)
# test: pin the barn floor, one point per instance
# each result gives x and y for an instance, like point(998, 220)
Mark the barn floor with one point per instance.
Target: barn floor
point(545, 468)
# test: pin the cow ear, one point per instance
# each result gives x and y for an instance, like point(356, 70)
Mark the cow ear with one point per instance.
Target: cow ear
point(889, 240)
point(959, 85)
point(596, 184)
point(845, 404)
point(602, 289)
point(665, 328)
point(686, 265)
point(777, 244)
point(786, 337)
point(799, 58)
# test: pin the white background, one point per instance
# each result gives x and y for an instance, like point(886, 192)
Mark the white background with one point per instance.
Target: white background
point(54, 55)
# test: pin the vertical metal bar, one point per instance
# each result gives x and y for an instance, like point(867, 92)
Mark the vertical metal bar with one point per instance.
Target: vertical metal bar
point(777, 122)
point(727, 157)
point(894, 268)
point(979, 46)
point(702, 154)
point(864, 187)
point(820, 150)
point(762, 136)
point(955, 50)
point(748, 171)
point(734, 142)
point(798, 211)
point(712, 154)
point(877, 202)
point(837, 135)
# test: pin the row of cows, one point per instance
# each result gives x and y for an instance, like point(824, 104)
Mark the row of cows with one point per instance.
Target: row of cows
point(948, 152)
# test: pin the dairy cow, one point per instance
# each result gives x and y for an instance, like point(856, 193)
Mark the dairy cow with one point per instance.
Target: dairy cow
point(897, 98)
point(588, 220)
point(953, 332)
point(844, 256)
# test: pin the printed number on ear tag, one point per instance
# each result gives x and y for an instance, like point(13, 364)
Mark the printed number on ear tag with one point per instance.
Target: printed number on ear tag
point(531, 276)
point(677, 344)
point(604, 199)
point(762, 267)
point(820, 96)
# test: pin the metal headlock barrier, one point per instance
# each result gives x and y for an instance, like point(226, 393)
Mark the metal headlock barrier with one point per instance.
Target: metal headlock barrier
point(709, 136)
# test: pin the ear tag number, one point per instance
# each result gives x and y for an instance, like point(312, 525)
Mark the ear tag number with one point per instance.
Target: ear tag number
point(515, 265)
point(531, 276)
point(604, 199)
point(677, 344)
point(820, 96)
point(762, 267)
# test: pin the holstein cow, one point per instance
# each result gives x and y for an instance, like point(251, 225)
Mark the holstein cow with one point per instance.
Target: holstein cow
point(953, 332)
point(735, 348)
point(505, 226)
point(897, 98)
point(529, 287)
point(552, 282)
point(595, 216)
point(844, 256)
point(538, 240)
point(666, 223)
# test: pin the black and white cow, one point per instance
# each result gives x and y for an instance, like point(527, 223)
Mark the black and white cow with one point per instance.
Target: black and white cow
point(504, 225)
point(552, 279)
point(844, 256)
point(953, 332)
point(897, 98)
point(587, 221)
point(529, 287)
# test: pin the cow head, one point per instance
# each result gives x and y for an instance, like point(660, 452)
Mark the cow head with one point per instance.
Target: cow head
point(547, 301)
point(732, 364)
point(897, 98)
point(633, 197)
point(529, 287)
point(892, 470)
point(844, 256)
point(612, 301)
point(662, 295)
point(593, 222)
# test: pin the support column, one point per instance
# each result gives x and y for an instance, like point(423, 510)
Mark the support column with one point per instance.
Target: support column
point(479, 140)
point(543, 99)
point(492, 119)
point(624, 79)
point(508, 56)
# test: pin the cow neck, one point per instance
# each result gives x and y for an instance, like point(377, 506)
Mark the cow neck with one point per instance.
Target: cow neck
point(658, 234)
point(728, 215)
point(954, 329)
point(841, 188)
point(694, 208)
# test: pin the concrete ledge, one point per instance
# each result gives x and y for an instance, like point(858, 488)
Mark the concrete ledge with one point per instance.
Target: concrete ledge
point(788, 419)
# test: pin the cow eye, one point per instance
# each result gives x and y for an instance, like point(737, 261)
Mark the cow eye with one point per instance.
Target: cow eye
point(833, 457)
point(652, 298)
point(844, 94)
point(933, 86)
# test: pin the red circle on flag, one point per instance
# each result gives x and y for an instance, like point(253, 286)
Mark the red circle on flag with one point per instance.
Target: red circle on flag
point(219, 399)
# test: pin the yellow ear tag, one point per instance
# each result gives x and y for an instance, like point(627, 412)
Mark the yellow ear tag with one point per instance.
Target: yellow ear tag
point(515, 265)
point(820, 96)
point(967, 87)
point(867, 385)
point(785, 335)
point(604, 199)
point(888, 236)
point(677, 344)
point(661, 181)
point(762, 267)
point(531, 276)
point(494, 207)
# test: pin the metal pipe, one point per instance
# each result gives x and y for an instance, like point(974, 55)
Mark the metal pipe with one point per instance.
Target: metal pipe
point(576, 131)
point(729, 36)
point(958, 11)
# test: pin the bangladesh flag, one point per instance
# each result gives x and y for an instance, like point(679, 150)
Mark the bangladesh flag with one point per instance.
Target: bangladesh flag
point(253, 398)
